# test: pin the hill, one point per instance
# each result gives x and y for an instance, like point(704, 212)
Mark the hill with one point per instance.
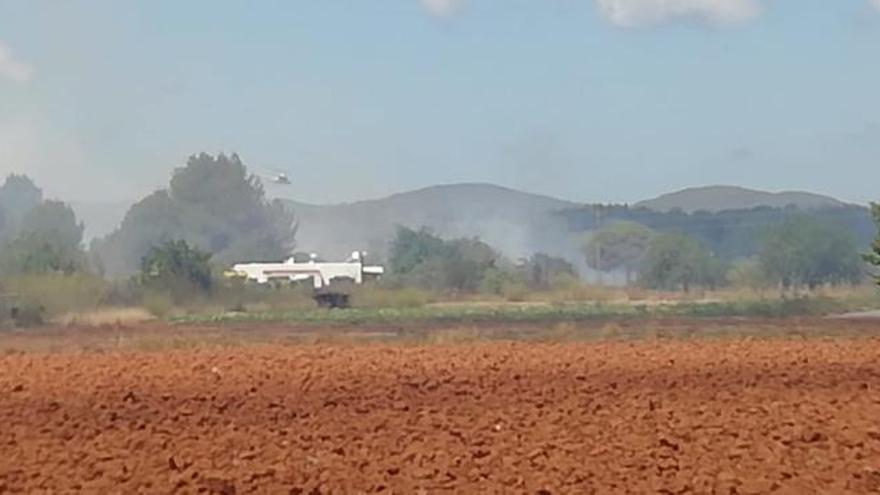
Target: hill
point(720, 198)
point(520, 223)
point(515, 222)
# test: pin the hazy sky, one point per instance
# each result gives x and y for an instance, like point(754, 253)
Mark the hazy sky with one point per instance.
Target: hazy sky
point(584, 99)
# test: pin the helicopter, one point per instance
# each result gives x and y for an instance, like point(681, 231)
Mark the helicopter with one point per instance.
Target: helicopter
point(275, 176)
point(281, 179)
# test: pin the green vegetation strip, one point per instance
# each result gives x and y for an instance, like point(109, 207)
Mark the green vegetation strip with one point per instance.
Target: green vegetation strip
point(537, 313)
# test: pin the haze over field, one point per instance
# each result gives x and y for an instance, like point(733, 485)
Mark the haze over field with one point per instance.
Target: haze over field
point(505, 135)
point(408, 246)
point(516, 222)
point(585, 100)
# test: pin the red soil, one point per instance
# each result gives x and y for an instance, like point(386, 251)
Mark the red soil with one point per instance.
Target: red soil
point(681, 417)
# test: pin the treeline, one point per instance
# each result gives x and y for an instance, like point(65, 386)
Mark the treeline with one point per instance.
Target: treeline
point(211, 203)
point(420, 259)
point(173, 245)
point(37, 235)
point(731, 234)
point(799, 252)
point(168, 249)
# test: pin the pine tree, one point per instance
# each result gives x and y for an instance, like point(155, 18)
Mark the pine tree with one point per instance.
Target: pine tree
point(874, 256)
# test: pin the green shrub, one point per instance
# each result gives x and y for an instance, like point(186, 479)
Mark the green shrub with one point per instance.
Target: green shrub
point(124, 293)
point(28, 314)
point(284, 298)
point(496, 281)
point(58, 294)
point(564, 281)
point(515, 291)
point(801, 306)
point(749, 274)
point(177, 267)
point(381, 297)
point(158, 304)
point(581, 293)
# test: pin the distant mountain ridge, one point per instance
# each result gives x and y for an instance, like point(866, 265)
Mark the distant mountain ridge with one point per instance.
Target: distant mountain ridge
point(515, 222)
point(720, 198)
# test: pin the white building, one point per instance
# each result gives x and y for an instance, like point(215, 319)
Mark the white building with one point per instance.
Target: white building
point(321, 273)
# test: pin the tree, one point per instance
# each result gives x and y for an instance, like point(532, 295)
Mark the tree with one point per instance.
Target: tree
point(213, 204)
point(151, 221)
point(19, 195)
point(178, 267)
point(542, 271)
point(3, 225)
point(873, 257)
point(49, 240)
point(730, 234)
point(619, 246)
point(411, 248)
point(749, 274)
point(802, 251)
point(421, 259)
point(675, 261)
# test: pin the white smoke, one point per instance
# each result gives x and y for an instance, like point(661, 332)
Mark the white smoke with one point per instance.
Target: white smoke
point(12, 68)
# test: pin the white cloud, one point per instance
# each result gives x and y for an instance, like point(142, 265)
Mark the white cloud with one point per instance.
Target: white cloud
point(876, 4)
point(442, 8)
point(13, 69)
point(634, 13)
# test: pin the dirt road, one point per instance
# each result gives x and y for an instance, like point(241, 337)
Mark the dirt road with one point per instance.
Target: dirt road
point(676, 417)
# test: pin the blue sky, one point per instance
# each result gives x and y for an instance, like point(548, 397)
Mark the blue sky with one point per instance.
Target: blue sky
point(589, 100)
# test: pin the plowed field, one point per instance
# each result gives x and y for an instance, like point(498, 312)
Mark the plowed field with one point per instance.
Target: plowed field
point(735, 416)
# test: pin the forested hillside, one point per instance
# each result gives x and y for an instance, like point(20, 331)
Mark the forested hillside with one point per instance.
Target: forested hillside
point(720, 198)
point(729, 234)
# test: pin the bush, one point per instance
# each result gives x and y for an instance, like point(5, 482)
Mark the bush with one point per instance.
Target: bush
point(48, 241)
point(565, 281)
point(583, 293)
point(804, 252)
point(873, 257)
point(542, 271)
point(421, 259)
point(158, 304)
point(177, 267)
point(515, 292)
point(28, 314)
point(678, 262)
point(242, 296)
point(496, 280)
point(800, 306)
point(380, 297)
point(58, 294)
point(749, 274)
point(124, 293)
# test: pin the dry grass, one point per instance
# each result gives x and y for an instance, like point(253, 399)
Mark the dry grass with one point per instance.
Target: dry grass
point(160, 337)
point(584, 293)
point(105, 316)
point(380, 297)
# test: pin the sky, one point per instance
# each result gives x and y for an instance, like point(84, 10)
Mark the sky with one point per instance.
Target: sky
point(587, 100)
